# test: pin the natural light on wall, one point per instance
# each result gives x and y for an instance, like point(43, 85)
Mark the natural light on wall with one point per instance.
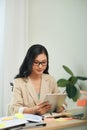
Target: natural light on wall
point(13, 39)
point(2, 19)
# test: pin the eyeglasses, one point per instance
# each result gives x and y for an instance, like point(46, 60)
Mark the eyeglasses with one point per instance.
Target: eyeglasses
point(37, 63)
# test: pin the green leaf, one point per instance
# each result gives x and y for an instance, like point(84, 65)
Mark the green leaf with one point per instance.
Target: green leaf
point(68, 70)
point(71, 91)
point(62, 82)
point(72, 80)
point(81, 78)
point(77, 96)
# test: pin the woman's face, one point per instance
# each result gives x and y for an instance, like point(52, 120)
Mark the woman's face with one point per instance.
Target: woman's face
point(40, 64)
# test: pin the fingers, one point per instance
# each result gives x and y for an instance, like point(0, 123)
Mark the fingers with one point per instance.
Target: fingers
point(60, 109)
point(42, 108)
point(43, 103)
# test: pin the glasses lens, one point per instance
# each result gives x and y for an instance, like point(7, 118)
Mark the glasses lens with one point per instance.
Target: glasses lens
point(44, 63)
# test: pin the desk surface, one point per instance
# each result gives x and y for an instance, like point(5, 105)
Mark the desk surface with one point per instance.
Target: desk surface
point(53, 124)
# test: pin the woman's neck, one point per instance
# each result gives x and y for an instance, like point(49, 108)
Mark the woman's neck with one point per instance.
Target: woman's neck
point(36, 81)
point(35, 77)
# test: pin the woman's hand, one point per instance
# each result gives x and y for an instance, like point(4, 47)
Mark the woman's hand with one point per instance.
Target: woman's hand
point(62, 108)
point(42, 108)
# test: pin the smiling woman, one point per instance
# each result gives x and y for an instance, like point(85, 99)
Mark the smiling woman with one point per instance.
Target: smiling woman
point(32, 83)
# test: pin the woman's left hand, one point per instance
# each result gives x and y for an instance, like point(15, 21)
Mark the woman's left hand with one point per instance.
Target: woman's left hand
point(62, 108)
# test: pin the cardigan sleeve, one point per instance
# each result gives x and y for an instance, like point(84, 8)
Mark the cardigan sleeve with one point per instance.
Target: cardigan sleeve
point(16, 99)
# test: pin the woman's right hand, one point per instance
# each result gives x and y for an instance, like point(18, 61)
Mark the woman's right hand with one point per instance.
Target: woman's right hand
point(42, 108)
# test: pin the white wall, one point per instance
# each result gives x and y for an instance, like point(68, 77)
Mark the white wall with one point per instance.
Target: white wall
point(61, 25)
point(13, 39)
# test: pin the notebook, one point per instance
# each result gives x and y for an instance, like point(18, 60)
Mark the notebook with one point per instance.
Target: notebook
point(20, 121)
point(14, 123)
point(33, 118)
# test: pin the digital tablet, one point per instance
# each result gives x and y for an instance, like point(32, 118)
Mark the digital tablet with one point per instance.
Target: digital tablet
point(56, 100)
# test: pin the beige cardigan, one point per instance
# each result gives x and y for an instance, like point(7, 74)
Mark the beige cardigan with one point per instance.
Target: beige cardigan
point(24, 94)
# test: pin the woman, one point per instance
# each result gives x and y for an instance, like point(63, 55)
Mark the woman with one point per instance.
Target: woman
point(32, 83)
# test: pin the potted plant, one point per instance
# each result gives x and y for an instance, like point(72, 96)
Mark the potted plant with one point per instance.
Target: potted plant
point(72, 87)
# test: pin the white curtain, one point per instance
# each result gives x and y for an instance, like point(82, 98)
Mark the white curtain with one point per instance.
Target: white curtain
point(14, 30)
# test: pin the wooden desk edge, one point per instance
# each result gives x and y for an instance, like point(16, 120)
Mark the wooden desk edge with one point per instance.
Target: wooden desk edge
point(52, 125)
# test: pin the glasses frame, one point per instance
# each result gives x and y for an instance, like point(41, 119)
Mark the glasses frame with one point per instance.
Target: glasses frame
point(37, 63)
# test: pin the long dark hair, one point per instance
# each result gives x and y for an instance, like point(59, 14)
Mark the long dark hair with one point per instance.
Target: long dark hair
point(26, 67)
